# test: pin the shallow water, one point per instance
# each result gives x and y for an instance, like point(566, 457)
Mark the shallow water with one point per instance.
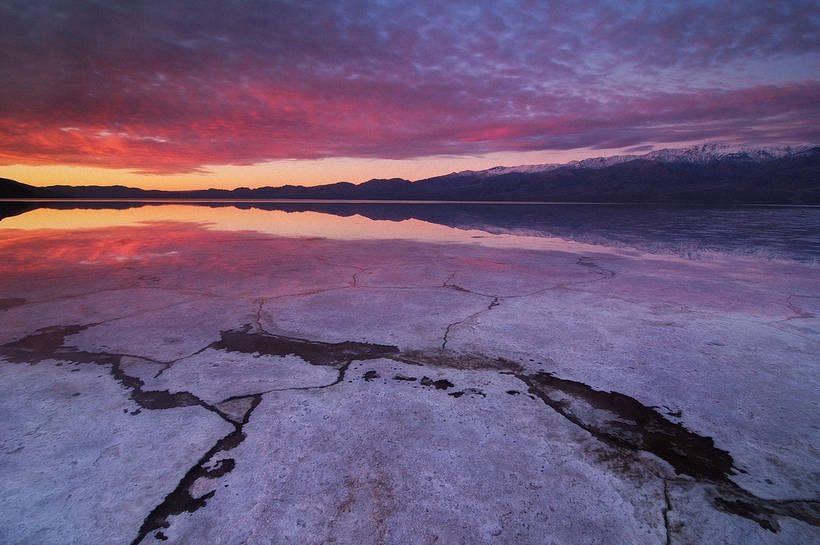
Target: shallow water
point(393, 373)
point(782, 233)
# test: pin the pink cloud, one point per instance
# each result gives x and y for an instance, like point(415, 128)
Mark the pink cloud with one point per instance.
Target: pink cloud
point(170, 87)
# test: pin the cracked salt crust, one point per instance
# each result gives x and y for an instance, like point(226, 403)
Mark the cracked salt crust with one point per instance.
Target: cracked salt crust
point(316, 391)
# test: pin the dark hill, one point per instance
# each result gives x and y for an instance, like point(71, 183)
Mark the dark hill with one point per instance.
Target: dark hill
point(11, 189)
point(721, 179)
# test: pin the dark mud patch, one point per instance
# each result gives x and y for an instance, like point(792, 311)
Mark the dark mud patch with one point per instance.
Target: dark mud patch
point(41, 345)
point(162, 399)
point(11, 302)
point(49, 344)
point(673, 413)
point(441, 384)
point(469, 391)
point(313, 352)
point(765, 512)
point(180, 500)
point(456, 360)
point(408, 379)
point(622, 420)
point(370, 375)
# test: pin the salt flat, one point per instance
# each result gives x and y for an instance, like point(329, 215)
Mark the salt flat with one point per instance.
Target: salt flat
point(172, 383)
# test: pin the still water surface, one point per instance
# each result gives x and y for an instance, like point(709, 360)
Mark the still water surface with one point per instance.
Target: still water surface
point(783, 233)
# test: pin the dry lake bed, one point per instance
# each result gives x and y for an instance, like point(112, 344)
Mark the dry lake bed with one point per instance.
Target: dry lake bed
point(194, 383)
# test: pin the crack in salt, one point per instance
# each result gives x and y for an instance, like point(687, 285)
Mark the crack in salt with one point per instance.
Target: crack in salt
point(446, 282)
point(355, 277)
point(666, 511)
point(588, 262)
point(612, 417)
point(624, 422)
point(494, 303)
point(48, 344)
point(180, 500)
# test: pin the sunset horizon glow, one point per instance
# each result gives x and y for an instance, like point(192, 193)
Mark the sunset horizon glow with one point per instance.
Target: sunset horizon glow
point(231, 94)
point(289, 172)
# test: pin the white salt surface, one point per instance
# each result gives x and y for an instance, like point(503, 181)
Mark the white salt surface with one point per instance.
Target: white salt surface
point(171, 383)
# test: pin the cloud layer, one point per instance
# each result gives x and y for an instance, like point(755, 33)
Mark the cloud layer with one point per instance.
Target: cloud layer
point(166, 87)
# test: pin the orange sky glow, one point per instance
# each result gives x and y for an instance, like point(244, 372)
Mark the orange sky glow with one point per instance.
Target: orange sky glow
point(296, 172)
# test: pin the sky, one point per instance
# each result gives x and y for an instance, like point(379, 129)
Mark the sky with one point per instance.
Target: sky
point(225, 93)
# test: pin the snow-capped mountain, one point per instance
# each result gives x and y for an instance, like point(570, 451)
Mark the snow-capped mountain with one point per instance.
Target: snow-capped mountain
point(594, 162)
point(701, 154)
point(713, 174)
point(707, 153)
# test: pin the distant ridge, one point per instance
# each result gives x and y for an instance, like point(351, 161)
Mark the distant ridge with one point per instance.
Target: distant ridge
point(702, 154)
point(704, 174)
point(11, 189)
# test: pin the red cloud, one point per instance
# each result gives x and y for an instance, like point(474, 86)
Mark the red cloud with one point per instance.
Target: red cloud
point(159, 87)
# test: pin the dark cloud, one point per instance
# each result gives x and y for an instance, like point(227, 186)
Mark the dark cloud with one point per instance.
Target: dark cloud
point(171, 86)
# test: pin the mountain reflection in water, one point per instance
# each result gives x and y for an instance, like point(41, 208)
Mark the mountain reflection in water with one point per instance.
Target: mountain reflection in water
point(791, 233)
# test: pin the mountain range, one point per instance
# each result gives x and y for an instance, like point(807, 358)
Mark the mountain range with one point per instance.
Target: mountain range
point(704, 174)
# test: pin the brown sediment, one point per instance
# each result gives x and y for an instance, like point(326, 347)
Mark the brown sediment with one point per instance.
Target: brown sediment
point(441, 384)
point(313, 352)
point(469, 391)
point(765, 512)
point(612, 417)
point(457, 360)
point(622, 420)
